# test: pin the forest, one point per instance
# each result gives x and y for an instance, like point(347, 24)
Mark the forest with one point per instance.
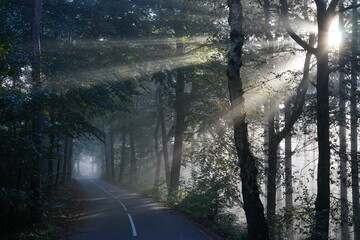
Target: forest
point(241, 115)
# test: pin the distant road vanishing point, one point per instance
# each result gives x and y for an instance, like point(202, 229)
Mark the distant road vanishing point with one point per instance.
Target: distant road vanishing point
point(112, 213)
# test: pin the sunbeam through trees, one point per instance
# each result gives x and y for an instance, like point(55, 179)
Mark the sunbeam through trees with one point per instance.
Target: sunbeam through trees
point(239, 117)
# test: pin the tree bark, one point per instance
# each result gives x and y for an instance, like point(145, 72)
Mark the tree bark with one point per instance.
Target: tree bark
point(65, 158)
point(107, 153)
point(344, 208)
point(180, 113)
point(254, 210)
point(133, 160)
point(272, 168)
point(322, 203)
point(51, 158)
point(35, 182)
point(354, 127)
point(122, 163)
point(111, 155)
point(69, 156)
point(164, 137)
point(158, 157)
point(58, 165)
point(288, 179)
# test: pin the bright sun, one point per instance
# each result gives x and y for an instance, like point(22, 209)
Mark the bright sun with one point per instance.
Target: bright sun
point(335, 36)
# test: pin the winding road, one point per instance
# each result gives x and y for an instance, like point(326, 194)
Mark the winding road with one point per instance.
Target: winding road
point(113, 213)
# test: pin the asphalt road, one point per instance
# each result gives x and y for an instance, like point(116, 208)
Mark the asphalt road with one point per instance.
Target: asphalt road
point(115, 214)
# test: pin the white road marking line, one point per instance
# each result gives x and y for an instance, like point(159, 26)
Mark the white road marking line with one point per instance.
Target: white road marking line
point(110, 195)
point(129, 216)
point(123, 205)
point(132, 225)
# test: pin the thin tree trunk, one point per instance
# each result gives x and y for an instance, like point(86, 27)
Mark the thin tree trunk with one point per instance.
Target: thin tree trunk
point(344, 208)
point(106, 153)
point(111, 155)
point(158, 157)
point(69, 156)
point(122, 163)
point(254, 210)
point(180, 113)
point(354, 127)
point(78, 166)
point(133, 160)
point(164, 138)
point(35, 182)
point(58, 166)
point(51, 158)
point(65, 161)
point(288, 179)
point(266, 151)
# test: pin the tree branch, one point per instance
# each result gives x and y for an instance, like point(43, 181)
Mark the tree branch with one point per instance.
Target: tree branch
point(349, 8)
point(301, 90)
point(290, 31)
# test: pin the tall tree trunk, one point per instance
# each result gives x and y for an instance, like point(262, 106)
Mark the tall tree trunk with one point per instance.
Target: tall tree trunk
point(69, 157)
point(266, 150)
point(122, 163)
point(325, 13)
point(272, 146)
point(51, 158)
point(344, 208)
point(164, 138)
point(133, 160)
point(354, 127)
point(322, 203)
point(272, 168)
point(35, 182)
point(58, 165)
point(288, 178)
point(107, 153)
point(254, 210)
point(158, 157)
point(65, 160)
point(180, 112)
point(111, 155)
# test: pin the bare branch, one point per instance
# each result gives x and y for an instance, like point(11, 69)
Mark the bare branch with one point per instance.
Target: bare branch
point(289, 29)
point(349, 8)
point(300, 96)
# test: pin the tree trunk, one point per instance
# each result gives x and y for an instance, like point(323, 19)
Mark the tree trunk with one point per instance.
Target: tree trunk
point(164, 138)
point(51, 158)
point(69, 157)
point(158, 157)
point(288, 179)
point(58, 165)
point(65, 160)
point(111, 155)
point(180, 113)
point(107, 153)
point(322, 203)
point(254, 210)
point(272, 168)
point(344, 208)
point(353, 128)
point(133, 160)
point(35, 182)
point(122, 163)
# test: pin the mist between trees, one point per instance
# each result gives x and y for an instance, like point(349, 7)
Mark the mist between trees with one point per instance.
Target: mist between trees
point(148, 94)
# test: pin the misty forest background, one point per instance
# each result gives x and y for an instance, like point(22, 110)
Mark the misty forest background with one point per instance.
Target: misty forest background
point(137, 92)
